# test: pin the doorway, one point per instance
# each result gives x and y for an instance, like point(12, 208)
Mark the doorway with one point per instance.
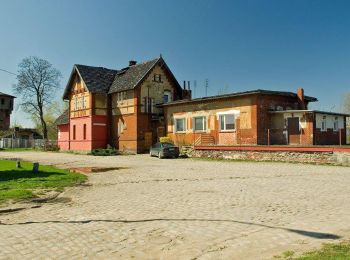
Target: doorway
point(293, 130)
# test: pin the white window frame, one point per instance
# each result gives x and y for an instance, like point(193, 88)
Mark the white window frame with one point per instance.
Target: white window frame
point(75, 103)
point(336, 124)
point(83, 102)
point(234, 123)
point(324, 123)
point(184, 125)
point(204, 124)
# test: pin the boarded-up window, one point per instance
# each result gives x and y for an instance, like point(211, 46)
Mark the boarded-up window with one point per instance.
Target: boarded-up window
point(84, 131)
point(74, 132)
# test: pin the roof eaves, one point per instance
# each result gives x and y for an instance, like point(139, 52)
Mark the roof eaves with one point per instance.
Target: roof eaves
point(147, 72)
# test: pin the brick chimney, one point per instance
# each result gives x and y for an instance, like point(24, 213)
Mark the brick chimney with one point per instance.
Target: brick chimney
point(186, 93)
point(132, 63)
point(301, 99)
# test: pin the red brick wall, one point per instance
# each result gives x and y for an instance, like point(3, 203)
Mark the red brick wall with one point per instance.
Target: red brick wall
point(127, 140)
point(329, 137)
point(79, 143)
point(264, 103)
point(99, 132)
point(5, 124)
point(63, 137)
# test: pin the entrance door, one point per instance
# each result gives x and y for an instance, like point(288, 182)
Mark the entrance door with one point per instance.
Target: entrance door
point(293, 130)
point(148, 140)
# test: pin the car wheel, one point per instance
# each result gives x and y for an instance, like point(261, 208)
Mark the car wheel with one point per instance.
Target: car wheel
point(160, 156)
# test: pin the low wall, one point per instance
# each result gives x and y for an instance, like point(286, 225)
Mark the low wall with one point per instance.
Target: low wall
point(334, 158)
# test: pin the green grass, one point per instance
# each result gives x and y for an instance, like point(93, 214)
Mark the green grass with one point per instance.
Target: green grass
point(22, 183)
point(339, 251)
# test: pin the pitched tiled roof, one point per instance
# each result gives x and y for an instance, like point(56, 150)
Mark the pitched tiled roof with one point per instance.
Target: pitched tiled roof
point(97, 79)
point(129, 77)
point(63, 119)
point(6, 95)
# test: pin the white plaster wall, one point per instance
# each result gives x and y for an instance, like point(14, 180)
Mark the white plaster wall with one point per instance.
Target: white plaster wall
point(329, 120)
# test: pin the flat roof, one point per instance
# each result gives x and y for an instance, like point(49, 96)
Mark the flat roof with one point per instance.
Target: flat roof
point(244, 93)
point(308, 111)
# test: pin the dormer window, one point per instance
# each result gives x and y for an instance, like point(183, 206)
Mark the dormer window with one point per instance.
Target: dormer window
point(157, 78)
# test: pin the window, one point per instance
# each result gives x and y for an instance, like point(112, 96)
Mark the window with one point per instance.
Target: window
point(74, 132)
point(157, 78)
point(149, 105)
point(84, 131)
point(83, 102)
point(227, 122)
point(167, 96)
point(199, 123)
point(180, 124)
point(324, 124)
point(335, 124)
point(76, 103)
point(2, 101)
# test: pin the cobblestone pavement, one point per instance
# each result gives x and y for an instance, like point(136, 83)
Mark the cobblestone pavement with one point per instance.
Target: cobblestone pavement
point(181, 209)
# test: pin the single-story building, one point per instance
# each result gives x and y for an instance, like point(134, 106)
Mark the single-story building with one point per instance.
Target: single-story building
point(258, 117)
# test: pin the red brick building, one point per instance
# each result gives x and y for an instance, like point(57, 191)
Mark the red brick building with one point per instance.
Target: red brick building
point(129, 109)
point(121, 108)
point(258, 117)
point(6, 107)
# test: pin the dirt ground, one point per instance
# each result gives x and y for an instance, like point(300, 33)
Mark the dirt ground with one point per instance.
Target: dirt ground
point(149, 208)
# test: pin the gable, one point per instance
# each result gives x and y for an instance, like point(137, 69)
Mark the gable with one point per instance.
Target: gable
point(133, 76)
point(95, 79)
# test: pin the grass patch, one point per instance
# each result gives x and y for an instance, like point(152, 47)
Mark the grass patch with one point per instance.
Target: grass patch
point(22, 183)
point(339, 251)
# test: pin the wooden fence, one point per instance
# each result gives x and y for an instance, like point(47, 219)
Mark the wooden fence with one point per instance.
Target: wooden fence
point(6, 143)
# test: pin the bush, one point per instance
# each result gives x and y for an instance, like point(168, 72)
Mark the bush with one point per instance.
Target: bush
point(104, 152)
point(165, 139)
point(52, 148)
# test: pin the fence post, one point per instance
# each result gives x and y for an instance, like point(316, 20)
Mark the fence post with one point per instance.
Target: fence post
point(340, 136)
point(268, 136)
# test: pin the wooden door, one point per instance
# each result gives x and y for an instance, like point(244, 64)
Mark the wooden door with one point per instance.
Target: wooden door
point(148, 140)
point(293, 130)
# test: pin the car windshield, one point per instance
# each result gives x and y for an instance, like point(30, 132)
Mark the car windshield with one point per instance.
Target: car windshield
point(167, 145)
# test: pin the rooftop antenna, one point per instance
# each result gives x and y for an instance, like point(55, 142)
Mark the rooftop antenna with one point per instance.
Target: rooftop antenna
point(206, 87)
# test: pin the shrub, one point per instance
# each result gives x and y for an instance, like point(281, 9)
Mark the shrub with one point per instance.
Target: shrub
point(104, 152)
point(165, 139)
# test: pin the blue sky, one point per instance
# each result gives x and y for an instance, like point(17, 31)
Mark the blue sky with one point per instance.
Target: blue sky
point(241, 45)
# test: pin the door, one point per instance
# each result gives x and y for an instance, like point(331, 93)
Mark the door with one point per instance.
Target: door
point(293, 130)
point(148, 140)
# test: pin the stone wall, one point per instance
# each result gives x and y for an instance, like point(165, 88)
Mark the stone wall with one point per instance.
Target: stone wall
point(278, 156)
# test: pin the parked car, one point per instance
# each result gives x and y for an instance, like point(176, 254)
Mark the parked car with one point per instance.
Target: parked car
point(163, 150)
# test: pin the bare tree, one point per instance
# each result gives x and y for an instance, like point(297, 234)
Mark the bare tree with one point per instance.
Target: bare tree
point(37, 82)
point(346, 103)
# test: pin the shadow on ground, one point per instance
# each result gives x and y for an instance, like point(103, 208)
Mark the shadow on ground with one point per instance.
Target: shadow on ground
point(313, 234)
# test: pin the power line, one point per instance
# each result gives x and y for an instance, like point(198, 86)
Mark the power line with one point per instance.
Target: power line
point(9, 72)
